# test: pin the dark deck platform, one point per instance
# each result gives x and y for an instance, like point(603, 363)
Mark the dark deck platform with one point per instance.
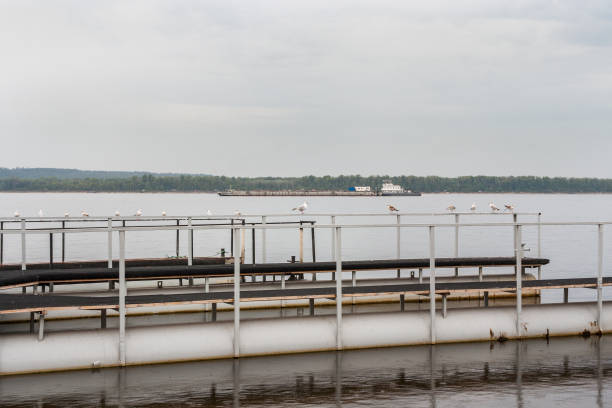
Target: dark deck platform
point(16, 303)
point(97, 274)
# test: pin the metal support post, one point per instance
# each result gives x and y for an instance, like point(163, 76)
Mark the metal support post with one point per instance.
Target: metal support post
point(565, 295)
point(338, 233)
point(301, 242)
point(253, 248)
point(41, 326)
point(189, 243)
point(432, 283)
point(456, 241)
point(519, 277)
point(23, 244)
point(103, 319)
point(354, 283)
point(242, 243)
point(311, 306)
point(420, 275)
point(312, 243)
point(402, 302)
point(206, 290)
point(237, 296)
point(480, 273)
point(51, 250)
point(263, 240)
point(486, 298)
point(178, 237)
point(110, 243)
point(122, 294)
point(444, 295)
point(214, 312)
point(600, 276)
point(32, 315)
point(63, 242)
point(398, 240)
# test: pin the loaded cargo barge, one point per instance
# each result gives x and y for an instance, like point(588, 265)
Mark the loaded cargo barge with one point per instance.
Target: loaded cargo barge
point(388, 189)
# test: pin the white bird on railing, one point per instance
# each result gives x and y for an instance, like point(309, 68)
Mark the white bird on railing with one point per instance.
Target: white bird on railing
point(509, 207)
point(392, 208)
point(84, 213)
point(66, 214)
point(493, 207)
point(163, 213)
point(40, 213)
point(451, 208)
point(208, 212)
point(117, 213)
point(16, 214)
point(237, 213)
point(301, 208)
point(138, 213)
point(473, 207)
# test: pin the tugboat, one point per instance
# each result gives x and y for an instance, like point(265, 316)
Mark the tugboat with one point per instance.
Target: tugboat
point(390, 189)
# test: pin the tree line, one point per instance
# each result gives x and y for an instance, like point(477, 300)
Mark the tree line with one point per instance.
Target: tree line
point(207, 183)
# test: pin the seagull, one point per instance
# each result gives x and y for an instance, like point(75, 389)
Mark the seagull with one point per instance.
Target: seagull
point(117, 213)
point(473, 207)
point(493, 207)
point(16, 214)
point(84, 213)
point(163, 213)
point(40, 213)
point(392, 208)
point(208, 212)
point(237, 213)
point(66, 214)
point(509, 207)
point(301, 208)
point(451, 208)
point(138, 213)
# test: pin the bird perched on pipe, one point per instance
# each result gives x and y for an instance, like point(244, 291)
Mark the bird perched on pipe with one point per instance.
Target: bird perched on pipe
point(138, 213)
point(451, 208)
point(66, 214)
point(163, 213)
point(84, 213)
point(16, 214)
point(40, 213)
point(301, 208)
point(509, 207)
point(473, 207)
point(392, 208)
point(117, 213)
point(493, 207)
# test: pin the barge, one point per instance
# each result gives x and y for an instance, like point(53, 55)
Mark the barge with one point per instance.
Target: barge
point(388, 189)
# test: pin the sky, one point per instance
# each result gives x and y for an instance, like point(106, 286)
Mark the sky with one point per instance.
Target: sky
point(291, 88)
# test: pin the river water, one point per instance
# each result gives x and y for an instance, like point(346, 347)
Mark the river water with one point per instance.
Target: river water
point(560, 373)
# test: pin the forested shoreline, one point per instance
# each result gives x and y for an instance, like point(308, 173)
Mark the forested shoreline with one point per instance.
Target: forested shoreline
point(207, 183)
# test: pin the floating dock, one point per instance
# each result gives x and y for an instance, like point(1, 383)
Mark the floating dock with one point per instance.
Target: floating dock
point(72, 289)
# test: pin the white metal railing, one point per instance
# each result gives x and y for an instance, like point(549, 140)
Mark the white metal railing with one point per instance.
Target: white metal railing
point(337, 256)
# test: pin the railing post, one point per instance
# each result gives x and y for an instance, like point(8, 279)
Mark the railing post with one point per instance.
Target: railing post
point(600, 276)
point(50, 250)
point(519, 277)
point(236, 296)
point(312, 242)
point(1, 243)
point(456, 241)
point(432, 283)
point(63, 242)
point(110, 243)
point(189, 243)
point(539, 243)
point(333, 238)
point(23, 244)
point(263, 239)
point(338, 239)
point(398, 239)
point(178, 238)
point(122, 294)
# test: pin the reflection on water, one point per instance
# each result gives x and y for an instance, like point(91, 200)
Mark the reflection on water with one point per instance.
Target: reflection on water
point(564, 372)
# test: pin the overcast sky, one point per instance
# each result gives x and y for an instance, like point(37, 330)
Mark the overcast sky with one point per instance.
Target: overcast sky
point(289, 88)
